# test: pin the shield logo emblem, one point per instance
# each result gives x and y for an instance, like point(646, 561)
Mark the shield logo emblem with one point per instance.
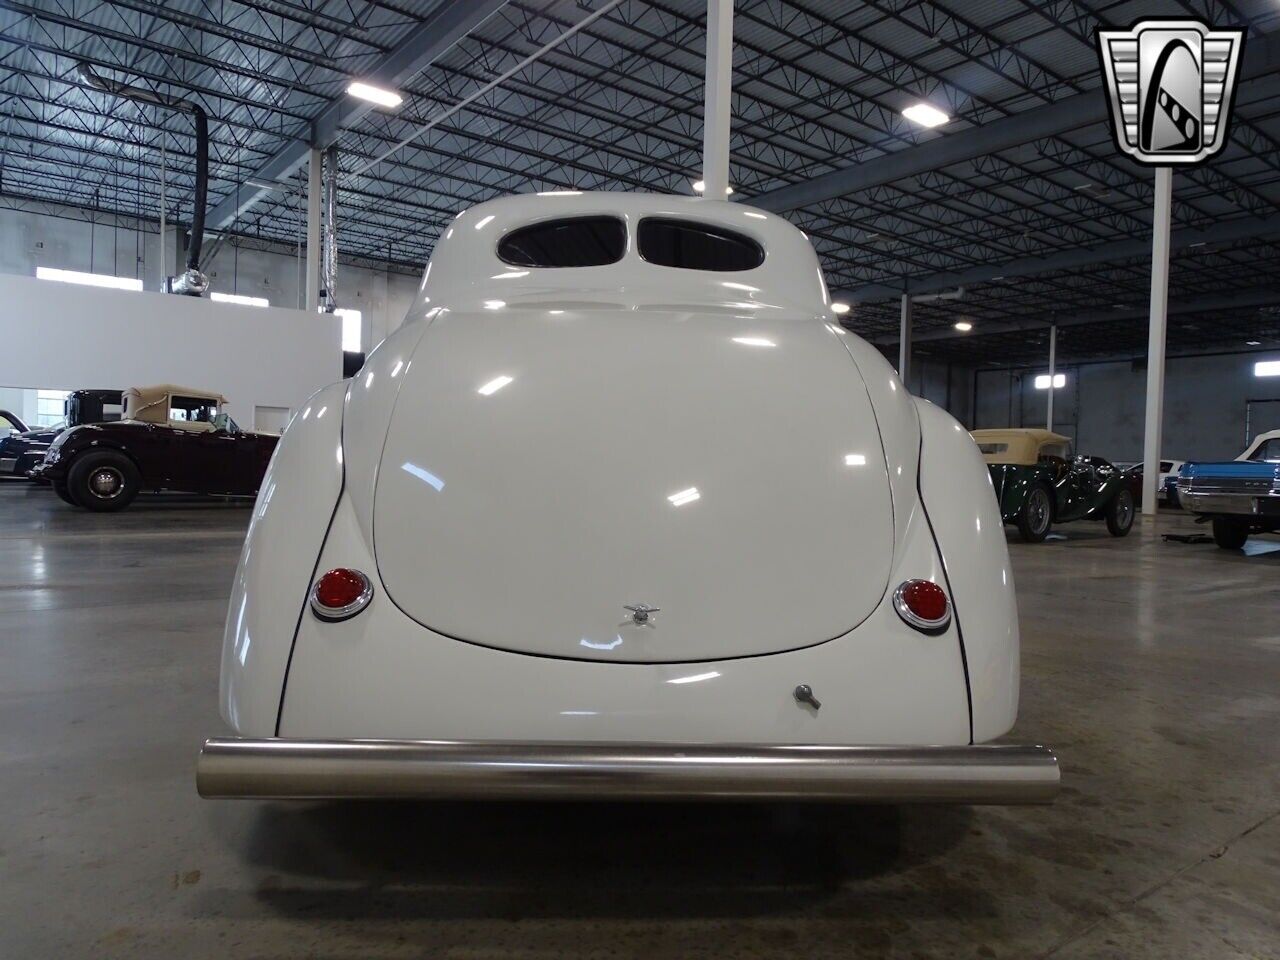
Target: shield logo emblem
point(1170, 85)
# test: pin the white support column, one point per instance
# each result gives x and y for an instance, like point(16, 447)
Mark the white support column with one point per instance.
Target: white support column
point(904, 342)
point(1161, 220)
point(715, 110)
point(1053, 357)
point(311, 298)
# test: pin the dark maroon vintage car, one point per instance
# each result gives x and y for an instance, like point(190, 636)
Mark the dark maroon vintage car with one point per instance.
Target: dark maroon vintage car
point(170, 438)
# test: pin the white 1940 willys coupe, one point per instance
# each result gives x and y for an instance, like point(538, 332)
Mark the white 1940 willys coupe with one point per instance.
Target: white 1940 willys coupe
point(621, 511)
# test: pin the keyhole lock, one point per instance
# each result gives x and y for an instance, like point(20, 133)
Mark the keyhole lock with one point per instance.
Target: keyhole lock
point(804, 694)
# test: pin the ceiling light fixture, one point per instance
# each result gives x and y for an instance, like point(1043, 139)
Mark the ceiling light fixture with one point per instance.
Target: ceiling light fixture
point(838, 306)
point(964, 326)
point(378, 95)
point(926, 115)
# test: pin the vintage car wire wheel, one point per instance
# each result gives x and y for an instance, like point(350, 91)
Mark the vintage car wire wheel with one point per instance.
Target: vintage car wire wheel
point(1036, 515)
point(1120, 513)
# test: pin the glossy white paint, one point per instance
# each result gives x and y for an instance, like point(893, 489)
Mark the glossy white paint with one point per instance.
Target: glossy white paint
point(963, 511)
point(584, 462)
point(536, 448)
point(381, 674)
point(290, 520)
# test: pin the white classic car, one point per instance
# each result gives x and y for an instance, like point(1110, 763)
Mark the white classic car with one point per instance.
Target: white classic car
point(621, 511)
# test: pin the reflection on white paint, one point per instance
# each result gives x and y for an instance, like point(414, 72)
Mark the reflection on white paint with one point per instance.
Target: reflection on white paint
point(368, 380)
point(555, 313)
point(395, 371)
point(601, 646)
point(579, 713)
point(485, 222)
point(685, 496)
point(754, 342)
point(695, 678)
point(740, 286)
point(323, 411)
point(494, 385)
point(494, 304)
point(510, 275)
point(560, 193)
point(426, 476)
point(754, 215)
point(855, 460)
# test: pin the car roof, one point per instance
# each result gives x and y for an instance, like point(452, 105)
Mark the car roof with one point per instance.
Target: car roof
point(1022, 444)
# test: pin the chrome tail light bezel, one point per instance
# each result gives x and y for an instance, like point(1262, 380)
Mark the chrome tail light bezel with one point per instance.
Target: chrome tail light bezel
point(913, 619)
point(336, 614)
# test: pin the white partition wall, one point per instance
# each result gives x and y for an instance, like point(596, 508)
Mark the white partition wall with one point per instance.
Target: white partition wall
point(63, 336)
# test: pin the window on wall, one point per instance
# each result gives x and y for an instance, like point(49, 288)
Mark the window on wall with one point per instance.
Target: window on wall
point(352, 330)
point(51, 407)
point(88, 279)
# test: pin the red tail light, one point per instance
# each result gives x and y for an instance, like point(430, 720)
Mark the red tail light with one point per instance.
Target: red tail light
point(340, 593)
point(923, 604)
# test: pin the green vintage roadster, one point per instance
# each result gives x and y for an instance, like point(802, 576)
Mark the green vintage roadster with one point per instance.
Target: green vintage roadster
point(1038, 483)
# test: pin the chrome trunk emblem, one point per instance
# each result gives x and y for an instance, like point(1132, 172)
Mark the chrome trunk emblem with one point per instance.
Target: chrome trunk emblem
point(640, 612)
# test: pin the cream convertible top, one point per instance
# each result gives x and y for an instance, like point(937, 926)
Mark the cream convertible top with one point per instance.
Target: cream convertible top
point(152, 404)
point(1017, 446)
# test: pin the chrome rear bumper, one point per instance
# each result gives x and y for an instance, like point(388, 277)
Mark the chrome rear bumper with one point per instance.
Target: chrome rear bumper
point(445, 769)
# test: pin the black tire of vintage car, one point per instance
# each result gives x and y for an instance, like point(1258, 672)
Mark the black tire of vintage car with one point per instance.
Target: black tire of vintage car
point(1230, 533)
point(103, 480)
point(60, 488)
point(1120, 512)
point(1035, 519)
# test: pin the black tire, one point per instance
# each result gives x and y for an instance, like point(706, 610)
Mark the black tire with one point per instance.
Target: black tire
point(1229, 533)
point(103, 481)
point(1120, 513)
point(60, 488)
point(1036, 516)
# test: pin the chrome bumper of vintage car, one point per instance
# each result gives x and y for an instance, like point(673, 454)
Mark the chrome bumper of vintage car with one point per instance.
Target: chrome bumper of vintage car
point(1226, 501)
point(446, 769)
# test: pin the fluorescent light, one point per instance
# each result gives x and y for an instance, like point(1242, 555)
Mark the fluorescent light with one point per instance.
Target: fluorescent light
point(925, 115)
point(1059, 381)
point(1267, 368)
point(88, 279)
point(352, 330)
point(964, 326)
point(855, 460)
point(754, 342)
point(240, 298)
point(684, 496)
point(1253, 343)
point(494, 385)
point(367, 91)
point(560, 193)
point(699, 187)
point(839, 307)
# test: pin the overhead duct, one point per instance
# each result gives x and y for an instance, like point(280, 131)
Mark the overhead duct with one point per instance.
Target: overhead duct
point(329, 266)
point(192, 282)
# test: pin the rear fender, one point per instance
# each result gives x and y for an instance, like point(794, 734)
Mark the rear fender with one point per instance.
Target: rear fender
point(290, 520)
point(956, 489)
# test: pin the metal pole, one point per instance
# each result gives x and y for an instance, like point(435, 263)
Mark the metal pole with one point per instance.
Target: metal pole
point(1053, 356)
point(904, 342)
point(719, 87)
point(1161, 220)
point(164, 212)
point(311, 300)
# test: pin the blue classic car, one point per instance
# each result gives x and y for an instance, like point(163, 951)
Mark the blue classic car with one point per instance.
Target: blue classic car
point(20, 453)
point(1240, 496)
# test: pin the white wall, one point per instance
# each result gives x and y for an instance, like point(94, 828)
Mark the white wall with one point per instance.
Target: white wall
point(1207, 400)
point(29, 239)
point(62, 336)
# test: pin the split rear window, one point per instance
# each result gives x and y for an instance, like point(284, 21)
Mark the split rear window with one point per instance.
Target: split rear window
point(568, 242)
point(696, 246)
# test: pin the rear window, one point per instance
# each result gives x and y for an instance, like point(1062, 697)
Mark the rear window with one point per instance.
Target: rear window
point(993, 447)
point(570, 242)
point(696, 246)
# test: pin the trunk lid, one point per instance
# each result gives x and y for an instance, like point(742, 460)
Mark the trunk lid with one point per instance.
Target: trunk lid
point(543, 470)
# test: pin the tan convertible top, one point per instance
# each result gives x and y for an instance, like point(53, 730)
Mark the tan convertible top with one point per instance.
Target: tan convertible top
point(151, 404)
point(1015, 445)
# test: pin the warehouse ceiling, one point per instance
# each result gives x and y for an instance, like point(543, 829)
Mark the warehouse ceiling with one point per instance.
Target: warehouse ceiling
point(1021, 199)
